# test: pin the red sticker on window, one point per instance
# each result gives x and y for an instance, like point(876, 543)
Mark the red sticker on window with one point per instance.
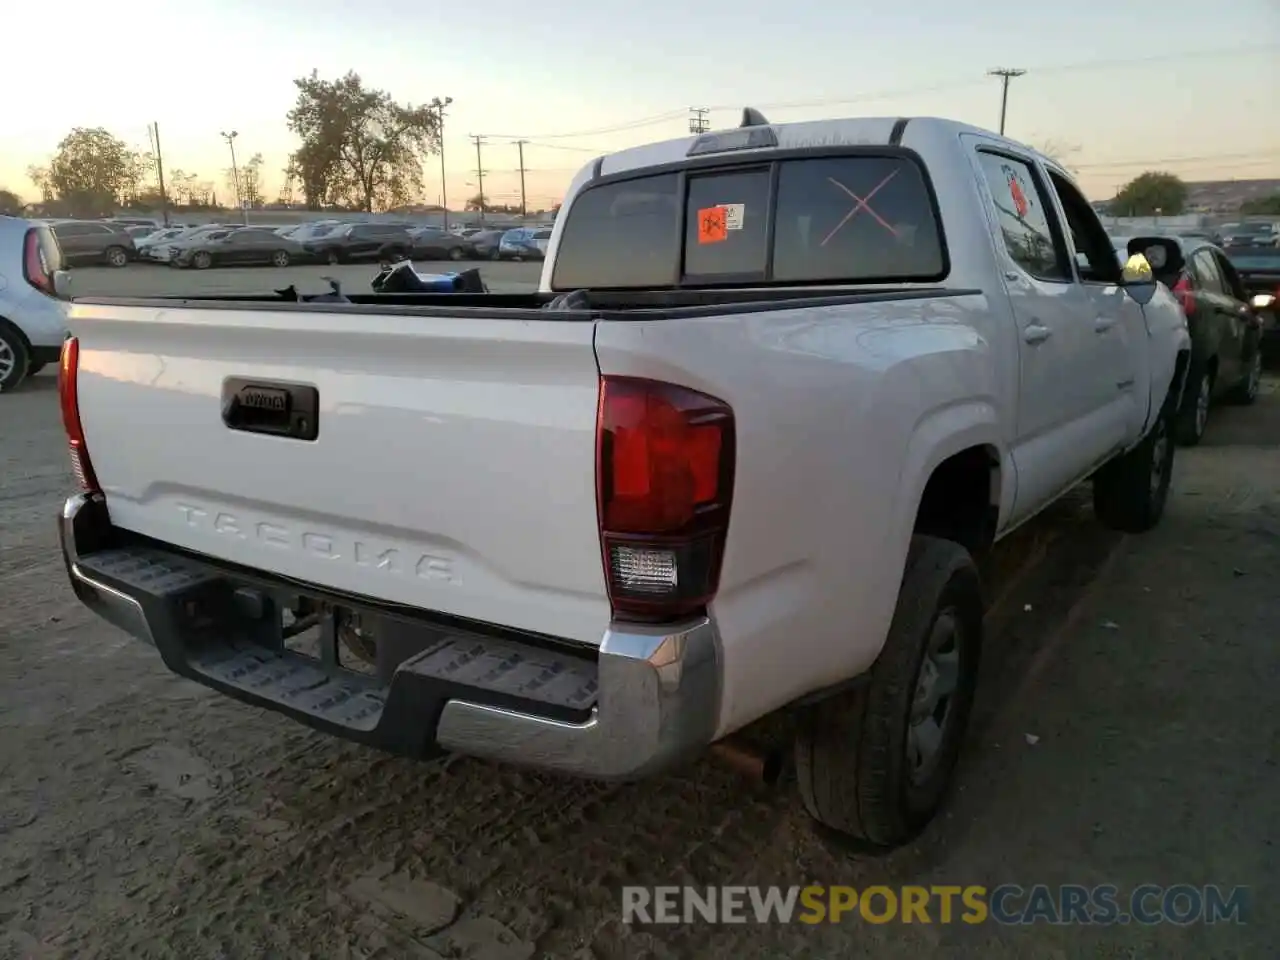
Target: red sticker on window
point(1020, 202)
point(713, 225)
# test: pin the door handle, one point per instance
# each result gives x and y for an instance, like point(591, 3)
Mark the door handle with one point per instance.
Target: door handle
point(1036, 333)
point(1103, 324)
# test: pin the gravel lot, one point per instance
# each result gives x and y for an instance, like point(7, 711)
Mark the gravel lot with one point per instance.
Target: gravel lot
point(143, 816)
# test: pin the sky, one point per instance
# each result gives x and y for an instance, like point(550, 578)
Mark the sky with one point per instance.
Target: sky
point(1112, 88)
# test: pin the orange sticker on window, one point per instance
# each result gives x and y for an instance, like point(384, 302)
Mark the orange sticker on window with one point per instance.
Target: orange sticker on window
point(713, 225)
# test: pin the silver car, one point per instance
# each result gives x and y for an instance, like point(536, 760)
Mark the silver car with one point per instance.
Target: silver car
point(33, 313)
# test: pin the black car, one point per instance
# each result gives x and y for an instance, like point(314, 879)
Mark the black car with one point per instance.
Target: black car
point(1226, 356)
point(435, 243)
point(362, 241)
point(1258, 266)
point(242, 247)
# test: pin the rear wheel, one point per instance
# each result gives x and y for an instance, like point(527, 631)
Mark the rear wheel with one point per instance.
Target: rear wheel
point(874, 764)
point(1130, 492)
point(116, 257)
point(1193, 412)
point(203, 260)
point(14, 358)
point(331, 257)
point(456, 253)
point(280, 258)
point(1246, 391)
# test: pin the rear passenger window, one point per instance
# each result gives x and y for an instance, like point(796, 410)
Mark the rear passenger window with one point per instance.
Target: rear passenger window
point(855, 219)
point(1206, 273)
point(1024, 217)
point(621, 235)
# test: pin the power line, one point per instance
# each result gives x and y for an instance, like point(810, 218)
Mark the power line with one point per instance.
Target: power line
point(698, 122)
point(1252, 158)
point(520, 147)
point(1005, 74)
point(153, 133)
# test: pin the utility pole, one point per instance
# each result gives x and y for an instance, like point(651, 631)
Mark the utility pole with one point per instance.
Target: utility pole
point(1005, 74)
point(478, 140)
point(235, 173)
point(698, 122)
point(164, 200)
point(444, 193)
point(524, 212)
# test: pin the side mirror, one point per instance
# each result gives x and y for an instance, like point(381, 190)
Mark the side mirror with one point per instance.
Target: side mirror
point(1263, 301)
point(1139, 279)
point(1164, 254)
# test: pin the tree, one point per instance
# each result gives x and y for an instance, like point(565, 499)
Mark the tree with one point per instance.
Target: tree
point(250, 185)
point(11, 204)
point(91, 172)
point(1262, 206)
point(359, 146)
point(478, 202)
point(1151, 193)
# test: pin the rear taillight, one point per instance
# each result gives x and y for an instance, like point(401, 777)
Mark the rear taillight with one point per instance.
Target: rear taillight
point(69, 397)
point(34, 269)
point(1186, 296)
point(664, 481)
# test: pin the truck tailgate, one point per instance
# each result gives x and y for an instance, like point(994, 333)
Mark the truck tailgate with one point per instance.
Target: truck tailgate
point(453, 468)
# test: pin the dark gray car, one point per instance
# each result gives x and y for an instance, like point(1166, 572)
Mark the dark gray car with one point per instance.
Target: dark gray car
point(85, 242)
point(242, 247)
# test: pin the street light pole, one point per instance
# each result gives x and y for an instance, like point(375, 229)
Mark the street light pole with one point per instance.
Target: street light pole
point(444, 192)
point(235, 172)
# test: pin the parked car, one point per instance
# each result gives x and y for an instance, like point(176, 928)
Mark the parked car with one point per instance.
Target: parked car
point(486, 243)
point(33, 313)
point(350, 243)
point(315, 229)
point(244, 246)
point(126, 222)
point(1226, 359)
point(166, 235)
point(1248, 232)
point(164, 252)
point(1258, 266)
point(86, 242)
point(433, 243)
point(738, 455)
point(524, 243)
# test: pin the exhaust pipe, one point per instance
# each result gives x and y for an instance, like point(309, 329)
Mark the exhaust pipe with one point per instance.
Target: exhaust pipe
point(763, 766)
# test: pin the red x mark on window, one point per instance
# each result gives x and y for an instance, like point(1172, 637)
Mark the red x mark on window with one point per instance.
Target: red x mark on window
point(859, 204)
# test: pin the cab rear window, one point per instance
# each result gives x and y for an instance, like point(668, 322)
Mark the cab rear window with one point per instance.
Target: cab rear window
point(826, 219)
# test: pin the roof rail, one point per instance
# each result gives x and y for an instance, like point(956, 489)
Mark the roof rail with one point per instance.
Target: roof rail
point(751, 117)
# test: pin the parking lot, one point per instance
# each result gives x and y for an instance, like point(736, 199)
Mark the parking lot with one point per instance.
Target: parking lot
point(1126, 733)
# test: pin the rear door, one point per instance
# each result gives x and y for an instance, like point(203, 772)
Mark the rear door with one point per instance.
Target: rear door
point(1066, 424)
point(1226, 334)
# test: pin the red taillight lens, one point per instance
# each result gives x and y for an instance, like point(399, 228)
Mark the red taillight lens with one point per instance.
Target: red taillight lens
point(664, 480)
point(69, 398)
point(1186, 296)
point(34, 269)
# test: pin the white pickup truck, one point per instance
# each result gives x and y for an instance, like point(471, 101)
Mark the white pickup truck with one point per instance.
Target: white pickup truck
point(781, 385)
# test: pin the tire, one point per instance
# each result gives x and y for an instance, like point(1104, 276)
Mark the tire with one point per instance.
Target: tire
point(456, 254)
point(1193, 411)
point(34, 368)
point(1130, 492)
point(1245, 392)
point(494, 255)
point(15, 358)
point(332, 258)
point(857, 761)
point(116, 257)
point(280, 258)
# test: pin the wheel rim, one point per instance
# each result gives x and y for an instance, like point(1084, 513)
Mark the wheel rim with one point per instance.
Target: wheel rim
point(933, 703)
point(1160, 450)
point(1255, 374)
point(202, 260)
point(333, 257)
point(1202, 406)
point(8, 360)
point(281, 259)
point(118, 258)
point(455, 254)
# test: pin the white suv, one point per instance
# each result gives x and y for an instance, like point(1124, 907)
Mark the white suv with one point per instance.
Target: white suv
point(33, 315)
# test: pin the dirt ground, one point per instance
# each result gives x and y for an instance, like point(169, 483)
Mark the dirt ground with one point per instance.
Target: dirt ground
point(1127, 733)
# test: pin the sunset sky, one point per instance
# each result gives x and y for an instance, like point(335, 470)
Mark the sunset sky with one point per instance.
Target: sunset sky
point(1117, 88)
